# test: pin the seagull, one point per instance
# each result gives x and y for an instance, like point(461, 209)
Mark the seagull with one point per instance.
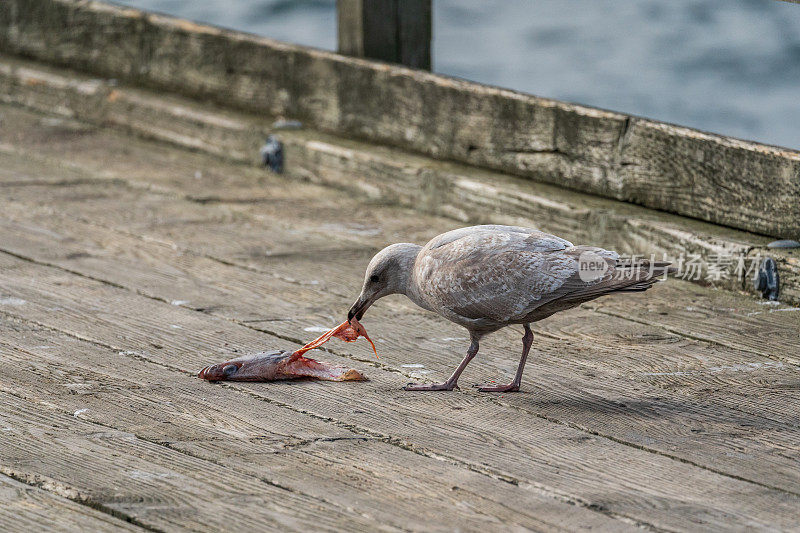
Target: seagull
point(485, 278)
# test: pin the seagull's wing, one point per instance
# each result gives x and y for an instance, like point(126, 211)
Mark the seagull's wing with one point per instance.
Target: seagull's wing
point(494, 272)
point(516, 237)
point(505, 274)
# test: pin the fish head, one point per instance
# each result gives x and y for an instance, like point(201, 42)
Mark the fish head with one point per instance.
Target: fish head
point(262, 366)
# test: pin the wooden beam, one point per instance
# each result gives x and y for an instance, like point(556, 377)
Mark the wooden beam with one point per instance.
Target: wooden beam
point(415, 33)
point(396, 31)
point(459, 192)
point(726, 181)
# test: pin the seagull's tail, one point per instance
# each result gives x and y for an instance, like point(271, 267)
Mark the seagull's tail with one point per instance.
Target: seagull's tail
point(623, 276)
point(644, 275)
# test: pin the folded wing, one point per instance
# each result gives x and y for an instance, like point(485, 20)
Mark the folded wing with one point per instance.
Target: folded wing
point(506, 273)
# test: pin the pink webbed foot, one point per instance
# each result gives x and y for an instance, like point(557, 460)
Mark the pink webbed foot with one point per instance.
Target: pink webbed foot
point(431, 386)
point(511, 387)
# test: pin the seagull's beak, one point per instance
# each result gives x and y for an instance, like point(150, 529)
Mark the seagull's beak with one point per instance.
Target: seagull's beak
point(359, 308)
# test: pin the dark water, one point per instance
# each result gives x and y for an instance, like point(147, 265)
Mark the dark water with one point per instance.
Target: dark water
point(731, 67)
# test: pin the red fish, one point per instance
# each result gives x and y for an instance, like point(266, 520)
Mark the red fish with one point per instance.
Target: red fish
point(271, 366)
point(275, 365)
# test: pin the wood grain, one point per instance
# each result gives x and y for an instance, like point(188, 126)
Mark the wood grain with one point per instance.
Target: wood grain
point(123, 276)
point(378, 174)
point(156, 486)
point(27, 508)
point(269, 257)
point(719, 318)
point(736, 183)
point(224, 244)
point(620, 351)
point(420, 420)
point(305, 454)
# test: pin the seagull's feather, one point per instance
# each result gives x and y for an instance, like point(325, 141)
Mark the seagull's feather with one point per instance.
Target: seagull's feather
point(504, 274)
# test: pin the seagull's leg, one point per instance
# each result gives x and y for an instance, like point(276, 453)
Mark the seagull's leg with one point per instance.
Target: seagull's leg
point(527, 340)
point(452, 381)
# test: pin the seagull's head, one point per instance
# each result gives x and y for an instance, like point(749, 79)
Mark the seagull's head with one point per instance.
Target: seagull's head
point(387, 273)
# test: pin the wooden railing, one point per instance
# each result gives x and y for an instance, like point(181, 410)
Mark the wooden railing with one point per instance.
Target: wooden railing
point(397, 31)
point(727, 181)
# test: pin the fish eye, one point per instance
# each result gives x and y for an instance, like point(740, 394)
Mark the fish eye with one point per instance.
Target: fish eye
point(229, 370)
point(374, 278)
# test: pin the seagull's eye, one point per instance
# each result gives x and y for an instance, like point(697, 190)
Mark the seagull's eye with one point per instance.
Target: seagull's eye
point(374, 278)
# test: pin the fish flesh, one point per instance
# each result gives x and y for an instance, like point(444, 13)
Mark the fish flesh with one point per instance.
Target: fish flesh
point(278, 365)
point(348, 331)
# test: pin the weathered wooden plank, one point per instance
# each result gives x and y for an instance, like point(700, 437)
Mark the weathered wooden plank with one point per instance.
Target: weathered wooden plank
point(578, 147)
point(28, 508)
point(720, 318)
point(686, 163)
point(115, 193)
point(385, 175)
point(180, 178)
point(522, 403)
point(160, 488)
point(288, 448)
point(634, 351)
point(534, 459)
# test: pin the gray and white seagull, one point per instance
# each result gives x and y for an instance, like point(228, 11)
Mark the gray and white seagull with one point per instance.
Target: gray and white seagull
point(485, 278)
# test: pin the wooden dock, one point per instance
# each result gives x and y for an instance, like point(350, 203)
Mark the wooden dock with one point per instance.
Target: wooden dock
point(127, 265)
point(141, 241)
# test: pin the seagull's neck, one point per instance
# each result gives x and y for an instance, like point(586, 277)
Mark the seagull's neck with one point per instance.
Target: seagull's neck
point(407, 259)
point(406, 256)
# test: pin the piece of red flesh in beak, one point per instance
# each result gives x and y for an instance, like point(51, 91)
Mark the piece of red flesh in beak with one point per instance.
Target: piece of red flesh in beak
point(348, 331)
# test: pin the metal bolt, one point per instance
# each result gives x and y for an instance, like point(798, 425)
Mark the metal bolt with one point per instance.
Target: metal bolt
point(768, 282)
point(272, 154)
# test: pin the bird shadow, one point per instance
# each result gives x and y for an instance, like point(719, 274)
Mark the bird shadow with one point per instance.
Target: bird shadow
point(692, 416)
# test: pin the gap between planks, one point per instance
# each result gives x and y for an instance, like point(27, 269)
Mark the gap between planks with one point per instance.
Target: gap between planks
point(58, 510)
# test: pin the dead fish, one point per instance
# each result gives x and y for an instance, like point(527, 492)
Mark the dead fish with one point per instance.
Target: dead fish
point(271, 366)
point(275, 365)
